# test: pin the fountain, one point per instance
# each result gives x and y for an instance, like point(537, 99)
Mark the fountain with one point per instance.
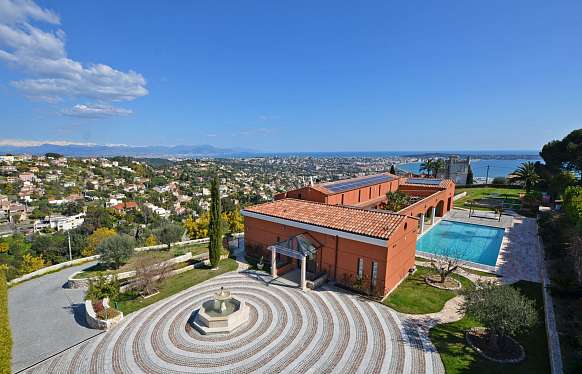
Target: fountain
point(222, 314)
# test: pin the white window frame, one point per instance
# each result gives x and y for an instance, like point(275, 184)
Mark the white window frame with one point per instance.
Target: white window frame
point(360, 268)
point(374, 273)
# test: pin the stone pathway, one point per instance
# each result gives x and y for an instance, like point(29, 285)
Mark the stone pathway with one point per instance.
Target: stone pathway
point(449, 313)
point(289, 331)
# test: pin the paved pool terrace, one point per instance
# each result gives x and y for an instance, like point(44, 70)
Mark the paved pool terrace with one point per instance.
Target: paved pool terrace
point(520, 256)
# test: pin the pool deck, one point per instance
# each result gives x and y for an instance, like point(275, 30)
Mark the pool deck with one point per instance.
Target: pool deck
point(520, 256)
point(480, 218)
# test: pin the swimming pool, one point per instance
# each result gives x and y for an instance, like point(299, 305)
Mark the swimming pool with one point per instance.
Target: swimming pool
point(474, 243)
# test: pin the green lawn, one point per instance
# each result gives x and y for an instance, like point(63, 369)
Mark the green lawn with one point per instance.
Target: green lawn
point(510, 195)
point(414, 296)
point(130, 302)
point(158, 255)
point(458, 357)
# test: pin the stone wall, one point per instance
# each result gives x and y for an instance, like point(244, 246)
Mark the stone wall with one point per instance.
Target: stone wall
point(53, 268)
point(459, 196)
point(73, 282)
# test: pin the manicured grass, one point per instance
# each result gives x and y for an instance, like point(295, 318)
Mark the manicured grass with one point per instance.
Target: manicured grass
point(414, 296)
point(158, 255)
point(510, 195)
point(196, 249)
point(458, 357)
point(130, 302)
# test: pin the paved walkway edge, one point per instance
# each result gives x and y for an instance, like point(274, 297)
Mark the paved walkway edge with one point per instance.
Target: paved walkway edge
point(58, 353)
point(551, 330)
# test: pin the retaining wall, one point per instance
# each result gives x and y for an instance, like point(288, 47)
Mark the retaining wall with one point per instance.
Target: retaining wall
point(459, 196)
point(73, 282)
point(52, 268)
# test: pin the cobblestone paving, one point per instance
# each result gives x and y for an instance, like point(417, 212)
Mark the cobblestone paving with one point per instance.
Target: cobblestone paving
point(289, 331)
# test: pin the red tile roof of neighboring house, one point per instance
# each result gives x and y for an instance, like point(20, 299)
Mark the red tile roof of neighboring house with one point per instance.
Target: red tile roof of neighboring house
point(372, 223)
point(126, 205)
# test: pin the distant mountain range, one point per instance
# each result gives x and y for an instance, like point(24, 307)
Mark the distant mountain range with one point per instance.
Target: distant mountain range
point(125, 150)
point(192, 151)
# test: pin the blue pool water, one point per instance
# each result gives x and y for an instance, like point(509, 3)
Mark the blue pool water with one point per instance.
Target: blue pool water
point(474, 243)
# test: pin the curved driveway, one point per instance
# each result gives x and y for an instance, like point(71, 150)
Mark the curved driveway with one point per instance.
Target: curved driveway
point(46, 318)
point(290, 331)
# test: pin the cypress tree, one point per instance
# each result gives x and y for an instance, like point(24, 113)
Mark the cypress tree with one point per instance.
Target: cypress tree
point(469, 176)
point(392, 169)
point(215, 224)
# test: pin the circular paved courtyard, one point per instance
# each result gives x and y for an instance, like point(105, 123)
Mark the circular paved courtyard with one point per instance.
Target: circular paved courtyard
point(327, 330)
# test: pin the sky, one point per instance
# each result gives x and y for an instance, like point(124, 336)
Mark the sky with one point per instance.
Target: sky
point(292, 75)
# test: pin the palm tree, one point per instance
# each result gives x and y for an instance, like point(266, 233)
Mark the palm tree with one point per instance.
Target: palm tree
point(397, 200)
point(437, 166)
point(427, 166)
point(526, 174)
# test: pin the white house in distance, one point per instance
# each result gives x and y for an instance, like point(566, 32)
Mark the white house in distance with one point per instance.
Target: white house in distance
point(60, 223)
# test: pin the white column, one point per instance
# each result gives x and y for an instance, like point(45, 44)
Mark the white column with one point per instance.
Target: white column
point(421, 223)
point(273, 263)
point(433, 215)
point(303, 273)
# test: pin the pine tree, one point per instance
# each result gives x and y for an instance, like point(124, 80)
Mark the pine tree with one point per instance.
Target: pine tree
point(215, 224)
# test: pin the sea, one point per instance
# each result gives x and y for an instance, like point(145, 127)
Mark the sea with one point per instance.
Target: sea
point(497, 167)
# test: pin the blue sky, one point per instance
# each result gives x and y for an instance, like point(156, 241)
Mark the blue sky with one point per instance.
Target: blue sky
point(292, 76)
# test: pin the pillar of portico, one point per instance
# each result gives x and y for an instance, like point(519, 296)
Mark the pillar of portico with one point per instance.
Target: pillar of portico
point(433, 215)
point(422, 223)
point(273, 263)
point(303, 273)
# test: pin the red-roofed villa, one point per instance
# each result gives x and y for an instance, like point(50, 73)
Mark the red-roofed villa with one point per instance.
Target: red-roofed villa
point(341, 230)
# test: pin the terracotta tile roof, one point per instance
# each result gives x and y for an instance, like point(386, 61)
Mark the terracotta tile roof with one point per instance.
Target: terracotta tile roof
point(372, 223)
point(126, 205)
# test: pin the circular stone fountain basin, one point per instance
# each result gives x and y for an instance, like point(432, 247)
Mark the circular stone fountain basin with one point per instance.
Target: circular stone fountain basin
point(212, 317)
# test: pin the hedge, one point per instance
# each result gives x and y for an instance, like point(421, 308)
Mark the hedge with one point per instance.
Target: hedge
point(5, 335)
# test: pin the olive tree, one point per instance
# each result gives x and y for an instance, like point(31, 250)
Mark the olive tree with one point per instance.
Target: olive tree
point(169, 233)
point(116, 250)
point(445, 261)
point(501, 309)
point(149, 274)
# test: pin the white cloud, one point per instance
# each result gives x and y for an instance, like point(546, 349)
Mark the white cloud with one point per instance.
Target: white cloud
point(19, 11)
point(35, 143)
point(43, 55)
point(95, 111)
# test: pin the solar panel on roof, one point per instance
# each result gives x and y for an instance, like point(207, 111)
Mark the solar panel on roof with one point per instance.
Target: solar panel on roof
point(353, 184)
point(429, 182)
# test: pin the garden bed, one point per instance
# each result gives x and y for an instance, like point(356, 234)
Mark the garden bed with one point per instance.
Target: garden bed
point(450, 282)
point(509, 351)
